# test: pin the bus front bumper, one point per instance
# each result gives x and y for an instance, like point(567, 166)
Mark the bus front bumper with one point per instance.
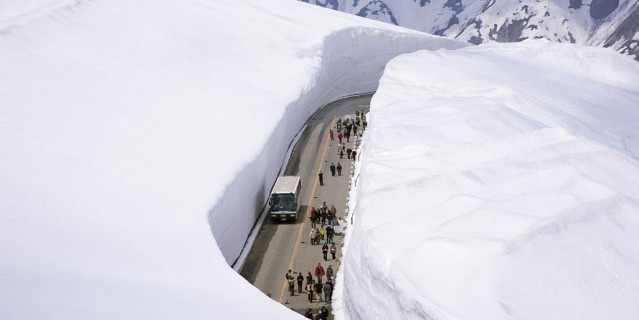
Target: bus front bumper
point(283, 216)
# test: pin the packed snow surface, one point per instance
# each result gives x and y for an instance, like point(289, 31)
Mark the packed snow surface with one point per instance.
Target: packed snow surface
point(139, 139)
point(499, 182)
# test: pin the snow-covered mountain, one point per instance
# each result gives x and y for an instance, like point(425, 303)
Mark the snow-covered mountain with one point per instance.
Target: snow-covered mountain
point(608, 23)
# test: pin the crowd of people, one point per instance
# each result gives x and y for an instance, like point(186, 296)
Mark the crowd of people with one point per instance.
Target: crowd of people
point(320, 290)
point(344, 129)
point(347, 127)
point(319, 285)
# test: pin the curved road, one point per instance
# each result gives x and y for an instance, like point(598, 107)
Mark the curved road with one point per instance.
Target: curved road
point(279, 247)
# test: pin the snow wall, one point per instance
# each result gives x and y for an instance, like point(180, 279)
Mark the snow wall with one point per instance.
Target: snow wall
point(507, 189)
point(352, 61)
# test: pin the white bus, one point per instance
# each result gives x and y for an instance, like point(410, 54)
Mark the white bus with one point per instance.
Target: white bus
point(283, 201)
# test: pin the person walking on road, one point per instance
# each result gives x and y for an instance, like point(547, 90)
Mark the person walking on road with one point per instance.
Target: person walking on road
point(330, 232)
point(291, 284)
point(300, 282)
point(330, 218)
point(321, 178)
point(324, 313)
point(339, 167)
point(329, 273)
point(309, 278)
point(309, 291)
point(354, 155)
point(341, 153)
point(318, 290)
point(331, 133)
point(319, 271)
point(313, 236)
point(332, 168)
point(309, 314)
point(328, 291)
point(330, 284)
point(333, 250)
point(325, 250)
point(289, 274)
point(313, 217)
point(339, 137)
point(348, 153)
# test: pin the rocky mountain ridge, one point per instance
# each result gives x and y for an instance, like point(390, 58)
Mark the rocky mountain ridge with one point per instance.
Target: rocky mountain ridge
point(608, 23)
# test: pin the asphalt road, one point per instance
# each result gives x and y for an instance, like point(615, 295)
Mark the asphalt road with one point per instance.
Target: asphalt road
point(279, 247)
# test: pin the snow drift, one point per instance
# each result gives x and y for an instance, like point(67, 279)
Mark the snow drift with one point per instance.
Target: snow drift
point(504, 189)
point(126, 125)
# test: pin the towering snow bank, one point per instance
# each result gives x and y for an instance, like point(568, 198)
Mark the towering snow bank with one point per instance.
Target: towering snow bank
point(504, 189)
point(123, 123)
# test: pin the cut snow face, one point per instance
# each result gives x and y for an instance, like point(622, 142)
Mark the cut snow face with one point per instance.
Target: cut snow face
point(499, 182)
point(139, 140)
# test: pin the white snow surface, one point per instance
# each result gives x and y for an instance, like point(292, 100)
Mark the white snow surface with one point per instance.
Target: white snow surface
point(498, 182)
point(139, 138)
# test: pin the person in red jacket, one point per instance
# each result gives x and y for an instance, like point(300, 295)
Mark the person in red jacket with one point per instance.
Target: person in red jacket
point(319, 271)
point(331, 133)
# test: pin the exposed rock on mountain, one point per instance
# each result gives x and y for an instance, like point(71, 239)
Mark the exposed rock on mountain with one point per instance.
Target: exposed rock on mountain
point(608, 23)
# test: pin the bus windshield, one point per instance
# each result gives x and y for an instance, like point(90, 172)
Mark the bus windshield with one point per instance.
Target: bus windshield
point(282, 202)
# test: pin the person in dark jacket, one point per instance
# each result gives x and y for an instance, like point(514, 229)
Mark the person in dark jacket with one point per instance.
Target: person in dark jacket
point(339, 168)
point(309, 278)
point(318, 289)
point(309, 314)
point(321, 178)
point(324, 313)
point(300, 282)
point(325, 250)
